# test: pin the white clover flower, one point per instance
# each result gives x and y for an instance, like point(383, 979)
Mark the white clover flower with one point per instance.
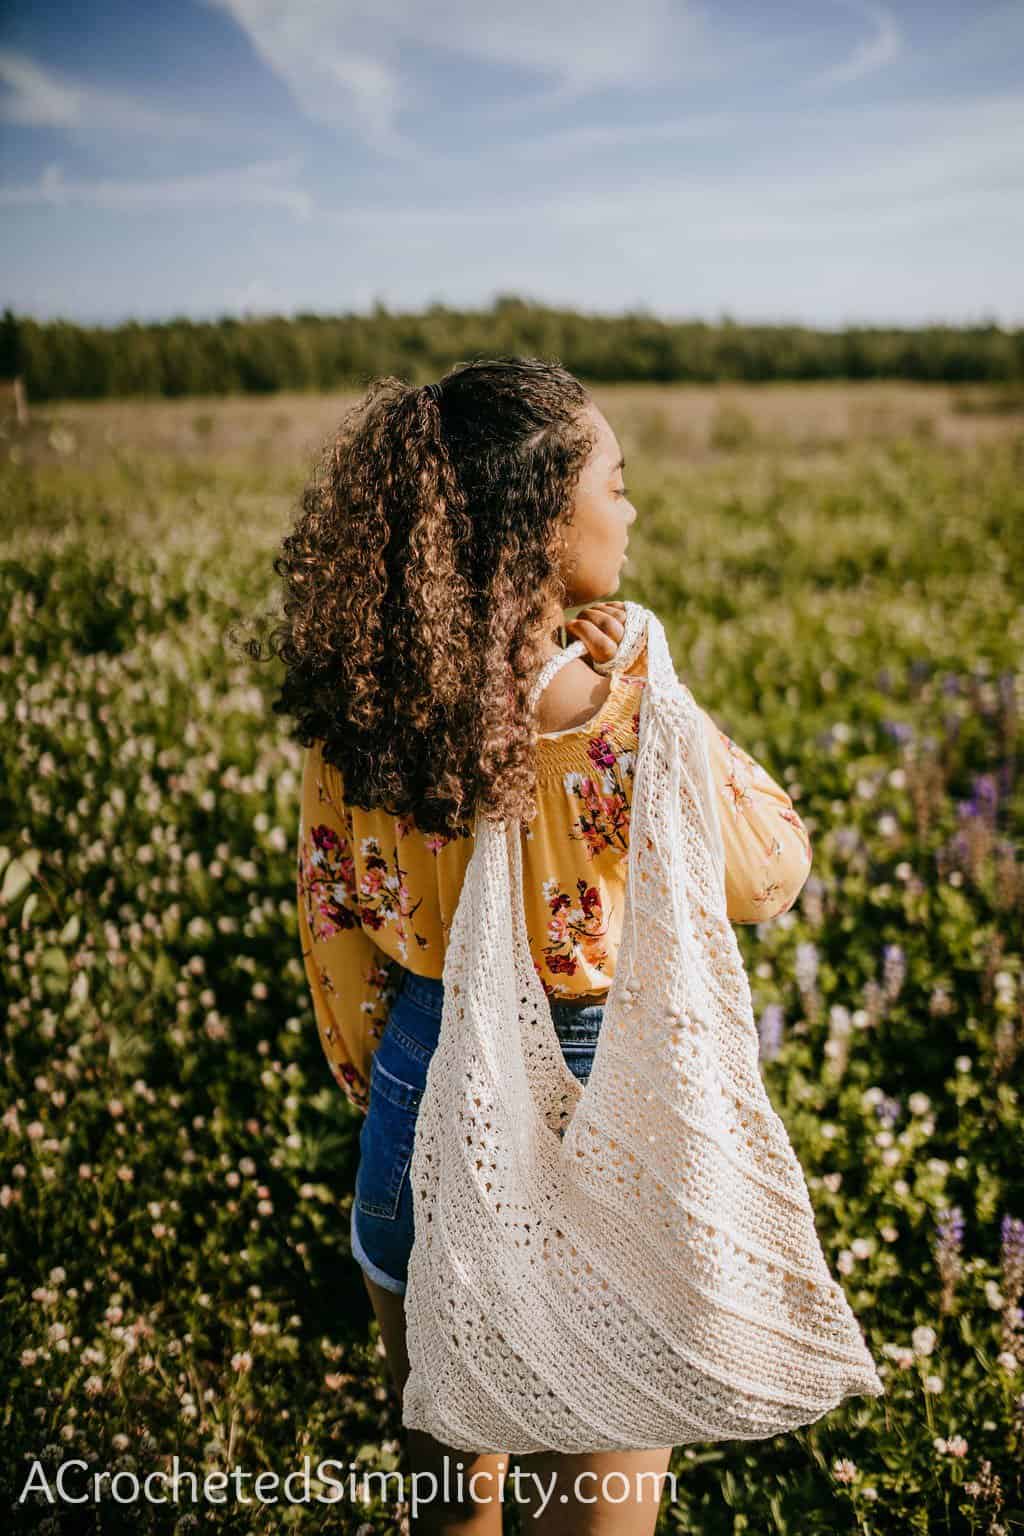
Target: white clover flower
point(1008, 1361)
point(919, 1103)
point(861, 1248)
point(993, 1295)
point(963, 1063)
point(933, 1384)
point(923, 1340)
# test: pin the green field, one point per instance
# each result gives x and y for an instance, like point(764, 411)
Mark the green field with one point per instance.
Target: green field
point(839, 573)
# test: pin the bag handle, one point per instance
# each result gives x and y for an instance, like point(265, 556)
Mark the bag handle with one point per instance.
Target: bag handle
point(552, 665)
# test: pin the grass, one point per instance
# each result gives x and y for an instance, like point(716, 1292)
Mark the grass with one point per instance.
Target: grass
point(837, 571)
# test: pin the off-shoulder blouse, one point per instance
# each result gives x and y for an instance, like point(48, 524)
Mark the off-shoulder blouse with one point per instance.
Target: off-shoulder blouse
point(375, 894)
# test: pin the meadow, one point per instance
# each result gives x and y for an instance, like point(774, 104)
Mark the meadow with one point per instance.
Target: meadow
point(838, 571)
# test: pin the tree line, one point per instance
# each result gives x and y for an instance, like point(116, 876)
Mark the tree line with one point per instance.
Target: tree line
point(59, 360)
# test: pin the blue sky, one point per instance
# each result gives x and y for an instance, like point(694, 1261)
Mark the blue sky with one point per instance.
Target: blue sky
point(824, 161)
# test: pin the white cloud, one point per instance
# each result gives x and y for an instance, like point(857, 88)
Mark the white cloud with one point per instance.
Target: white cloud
point(874, 52)
point(270, 183)
point(345, 62)
point(39, 98)
point(619, 135)
point(910, 163)
point(42, 98)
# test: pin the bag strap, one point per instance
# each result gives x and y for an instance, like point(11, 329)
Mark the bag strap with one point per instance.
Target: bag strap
point(553, 665)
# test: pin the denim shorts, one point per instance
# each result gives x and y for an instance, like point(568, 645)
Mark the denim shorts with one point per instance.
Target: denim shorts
point(381, 1229)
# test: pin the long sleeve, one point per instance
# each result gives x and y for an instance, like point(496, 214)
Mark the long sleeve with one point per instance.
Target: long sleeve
point(767, 847)
point(352, 982)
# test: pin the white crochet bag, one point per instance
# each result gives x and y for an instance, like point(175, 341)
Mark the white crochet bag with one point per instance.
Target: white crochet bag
point(632, 1262)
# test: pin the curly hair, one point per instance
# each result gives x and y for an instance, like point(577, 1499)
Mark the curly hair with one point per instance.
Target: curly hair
point(417, 578)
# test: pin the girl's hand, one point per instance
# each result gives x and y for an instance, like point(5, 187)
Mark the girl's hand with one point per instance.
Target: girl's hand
point(600, 626)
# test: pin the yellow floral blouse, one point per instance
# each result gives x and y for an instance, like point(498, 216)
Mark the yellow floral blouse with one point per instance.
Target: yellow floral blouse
point(376, 895)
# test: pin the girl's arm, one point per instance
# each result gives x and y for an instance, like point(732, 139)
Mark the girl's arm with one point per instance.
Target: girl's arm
point(767, 846)
point(352, 982)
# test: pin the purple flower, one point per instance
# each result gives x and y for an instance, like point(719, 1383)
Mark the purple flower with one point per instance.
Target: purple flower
point(1012, 1234)
point(949, 1227)
point(806, 965)
point(949, 1236)
point(888, 1110)
point(894, 969)
point(770, 1031)
point(898, 730)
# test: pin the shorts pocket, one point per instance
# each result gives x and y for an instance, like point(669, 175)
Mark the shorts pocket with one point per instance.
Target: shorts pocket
point(385, 1142)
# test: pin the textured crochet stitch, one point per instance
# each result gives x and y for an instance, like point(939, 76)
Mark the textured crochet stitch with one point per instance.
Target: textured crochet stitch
point(632, 1262)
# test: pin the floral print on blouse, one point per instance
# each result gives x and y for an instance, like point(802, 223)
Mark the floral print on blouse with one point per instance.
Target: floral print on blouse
point(376, 896)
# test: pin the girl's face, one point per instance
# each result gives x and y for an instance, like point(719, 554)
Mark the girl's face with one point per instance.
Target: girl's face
point(602, 514)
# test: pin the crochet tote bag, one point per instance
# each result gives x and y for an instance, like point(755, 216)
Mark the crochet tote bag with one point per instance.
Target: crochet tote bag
point(633, 1262)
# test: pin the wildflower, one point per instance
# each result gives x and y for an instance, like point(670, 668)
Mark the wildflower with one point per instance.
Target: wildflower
point(948, 1242)
point(894, 970)
point(1012, 1257)
point(1012, 1262)
point(241, 1361)
point(933, 1385)
point(887, 1109)
point(770, 1031)
point(845, 1470)
point(1008, 1361)
point(806, 966)
point(957, 1447)
point(986, 1488)
point(923, 1340)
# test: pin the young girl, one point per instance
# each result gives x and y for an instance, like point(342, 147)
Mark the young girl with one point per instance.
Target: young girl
point(443, 536)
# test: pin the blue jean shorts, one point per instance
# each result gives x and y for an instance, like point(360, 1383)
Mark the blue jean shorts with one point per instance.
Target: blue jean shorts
point(381, 1228)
